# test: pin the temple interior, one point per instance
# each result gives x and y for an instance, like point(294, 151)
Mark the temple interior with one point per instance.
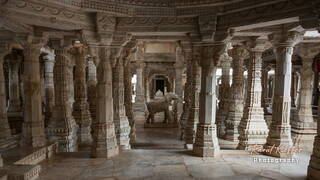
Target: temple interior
point(159, 89)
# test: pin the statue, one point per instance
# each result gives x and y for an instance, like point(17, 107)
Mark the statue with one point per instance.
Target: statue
point(161, 105)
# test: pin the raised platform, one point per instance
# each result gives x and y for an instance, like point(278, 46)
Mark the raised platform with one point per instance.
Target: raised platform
point(23, 163)
point(160, 125)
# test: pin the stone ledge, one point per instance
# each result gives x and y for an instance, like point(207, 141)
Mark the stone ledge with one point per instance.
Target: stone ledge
point(23, 172)
point(9, 143)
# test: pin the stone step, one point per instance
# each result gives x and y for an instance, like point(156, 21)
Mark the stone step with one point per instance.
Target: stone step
point(9, 143)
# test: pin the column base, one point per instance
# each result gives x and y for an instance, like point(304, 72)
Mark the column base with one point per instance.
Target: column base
point(123, 132)
point(304, 136)
point(206, 142)
point(33, 134)
point(279, 137)
point(190, 133)
point(252, 130)
point(65, 136)
point(104, 153)
point(314, 165)
point(231, 132)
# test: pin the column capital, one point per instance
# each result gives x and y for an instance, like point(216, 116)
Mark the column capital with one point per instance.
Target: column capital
point(238, 52)
point(258, 45)
point(79, 49)
point(308, 50)
point(211, 53)
point(286, 39)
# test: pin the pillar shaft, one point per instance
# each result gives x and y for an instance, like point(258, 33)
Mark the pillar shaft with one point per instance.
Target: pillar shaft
point(224, 93)
point(193, 117)
point(235, 113)
point(104, 138)
point(206, 142)
point(303, 124)
point(49, 61)
point(14, 90)
point(62, 126)
point(140, 100)
point(280, 129)
point(81, 107)
point(92, 87)
point(128, 99)
point(5, 131)
point(253, 128)
point(120, 118)
point(265, 87)
point(33, 132)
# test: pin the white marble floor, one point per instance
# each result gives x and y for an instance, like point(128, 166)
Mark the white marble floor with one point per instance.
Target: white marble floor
point(160, 155)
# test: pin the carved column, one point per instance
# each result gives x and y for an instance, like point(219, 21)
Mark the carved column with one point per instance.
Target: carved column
point(235, 113)
point(265, 87)
point(92, 86)
point(14, 90)
point(139, 105)
point(303, 124)
point(193, 118)
point(128, 99)
point(80, 106)
point(49, 61)
point(206, 142)
point(5, 131)
point(33, 132)
point(253, 128)
point(187, 93)
point(314, 164)
point(120, 118)
point(179, 68)
point(62, 126)
point(104, 138)
point(224, 93)
point(280, 129)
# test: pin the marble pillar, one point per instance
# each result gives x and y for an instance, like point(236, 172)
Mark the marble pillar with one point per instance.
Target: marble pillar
point(280, 130)
point(314, 164)
point(104, 137)
point(303, 125)
point(14, 90)
point(140, 100)
point(5, 131)
point(224, 92)
point(235, 113)
point(81, 111)
point(195, 85)
point(206, 141)
point(49, 61)
point(128, 99)
point(253, 129)
point(187, 92)
point(265, 87)
point(62, 126)
point(121, 121)
point(179, 89)
point(92, 86)
point(33, 132)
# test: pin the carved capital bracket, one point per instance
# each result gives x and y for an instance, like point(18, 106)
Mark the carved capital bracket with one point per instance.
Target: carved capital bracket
point(106, 25)
point(238, 52)
point(286, 38)
point(207, 26)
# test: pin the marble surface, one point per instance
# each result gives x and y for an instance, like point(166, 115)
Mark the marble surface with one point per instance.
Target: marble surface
point(158, 154)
